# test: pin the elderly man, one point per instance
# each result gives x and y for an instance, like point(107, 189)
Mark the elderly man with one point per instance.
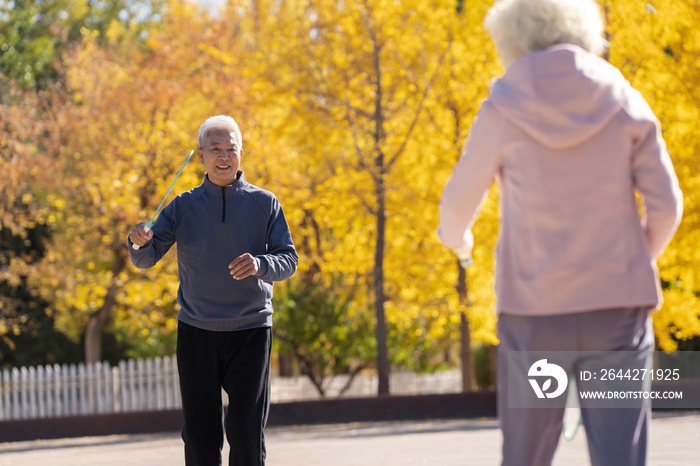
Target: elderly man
point(232, 242)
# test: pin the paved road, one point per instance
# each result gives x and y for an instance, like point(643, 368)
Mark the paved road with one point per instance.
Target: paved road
point(675, 441)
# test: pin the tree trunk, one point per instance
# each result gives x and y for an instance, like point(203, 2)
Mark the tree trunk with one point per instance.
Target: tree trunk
point(492, 365)
point(468, 373)
point(97, 322)
point(96, 325)
point(380, 190)
point(306, 368)
point(286, 366)
point(379, 299)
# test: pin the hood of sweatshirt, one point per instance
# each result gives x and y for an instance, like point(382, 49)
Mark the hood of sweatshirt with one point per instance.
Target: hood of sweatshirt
point(561, 96)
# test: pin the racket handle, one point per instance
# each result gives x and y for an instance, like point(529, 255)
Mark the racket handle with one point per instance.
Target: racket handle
point(136, 247)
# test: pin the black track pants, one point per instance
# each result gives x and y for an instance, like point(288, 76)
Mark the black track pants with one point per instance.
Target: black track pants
point(238, 361)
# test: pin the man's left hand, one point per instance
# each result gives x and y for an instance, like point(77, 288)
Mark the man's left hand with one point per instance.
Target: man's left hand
point(244, 266)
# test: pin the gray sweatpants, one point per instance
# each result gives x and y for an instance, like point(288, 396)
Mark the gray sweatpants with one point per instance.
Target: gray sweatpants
point(616, 436)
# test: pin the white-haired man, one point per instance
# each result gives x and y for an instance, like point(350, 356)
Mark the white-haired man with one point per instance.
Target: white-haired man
point(570, 142)
point(232, 242)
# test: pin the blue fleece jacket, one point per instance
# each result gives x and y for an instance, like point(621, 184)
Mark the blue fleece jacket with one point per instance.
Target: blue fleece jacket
point(213, 225)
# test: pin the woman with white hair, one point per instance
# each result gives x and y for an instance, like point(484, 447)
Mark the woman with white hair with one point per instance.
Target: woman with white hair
point(570, 142)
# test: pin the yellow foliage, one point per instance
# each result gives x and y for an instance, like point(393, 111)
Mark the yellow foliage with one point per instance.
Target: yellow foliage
point(350, 111)
point(658, 49)
point(364, 97)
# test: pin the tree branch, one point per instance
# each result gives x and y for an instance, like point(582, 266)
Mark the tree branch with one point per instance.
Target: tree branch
point(428, 86)
point(348, 384)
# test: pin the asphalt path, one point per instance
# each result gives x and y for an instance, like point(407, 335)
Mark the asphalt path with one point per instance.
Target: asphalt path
point(675, 441)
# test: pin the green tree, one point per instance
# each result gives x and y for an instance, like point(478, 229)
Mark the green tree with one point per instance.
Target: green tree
point(324, 330)
point(35, 34)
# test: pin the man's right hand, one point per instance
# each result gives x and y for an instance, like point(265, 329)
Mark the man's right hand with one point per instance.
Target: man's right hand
point(139, 236)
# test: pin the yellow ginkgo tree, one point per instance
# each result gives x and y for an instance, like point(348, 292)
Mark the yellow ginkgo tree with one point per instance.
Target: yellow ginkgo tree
point(356, 90)
point(657, 47)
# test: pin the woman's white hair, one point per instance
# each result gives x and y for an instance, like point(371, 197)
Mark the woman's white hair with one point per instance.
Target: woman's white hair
point(224, 122)
point(519, 27)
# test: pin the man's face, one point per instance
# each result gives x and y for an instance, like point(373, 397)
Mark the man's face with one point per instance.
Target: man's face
point(221, 156)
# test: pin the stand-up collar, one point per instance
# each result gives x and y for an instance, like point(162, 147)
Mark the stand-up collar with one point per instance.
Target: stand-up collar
point(231, 190)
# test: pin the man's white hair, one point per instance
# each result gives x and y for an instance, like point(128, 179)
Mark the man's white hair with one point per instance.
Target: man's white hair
point(224, 122)
point(519, 27)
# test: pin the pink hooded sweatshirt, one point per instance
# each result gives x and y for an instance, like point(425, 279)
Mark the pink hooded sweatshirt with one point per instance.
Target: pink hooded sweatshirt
point(569, 142)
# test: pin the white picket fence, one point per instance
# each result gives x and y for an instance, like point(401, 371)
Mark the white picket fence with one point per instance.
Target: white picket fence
point(153, 385)
point(367, 384)
point(80, 390)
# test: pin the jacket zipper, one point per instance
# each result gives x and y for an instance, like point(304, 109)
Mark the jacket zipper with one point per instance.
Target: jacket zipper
point(223, 198)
